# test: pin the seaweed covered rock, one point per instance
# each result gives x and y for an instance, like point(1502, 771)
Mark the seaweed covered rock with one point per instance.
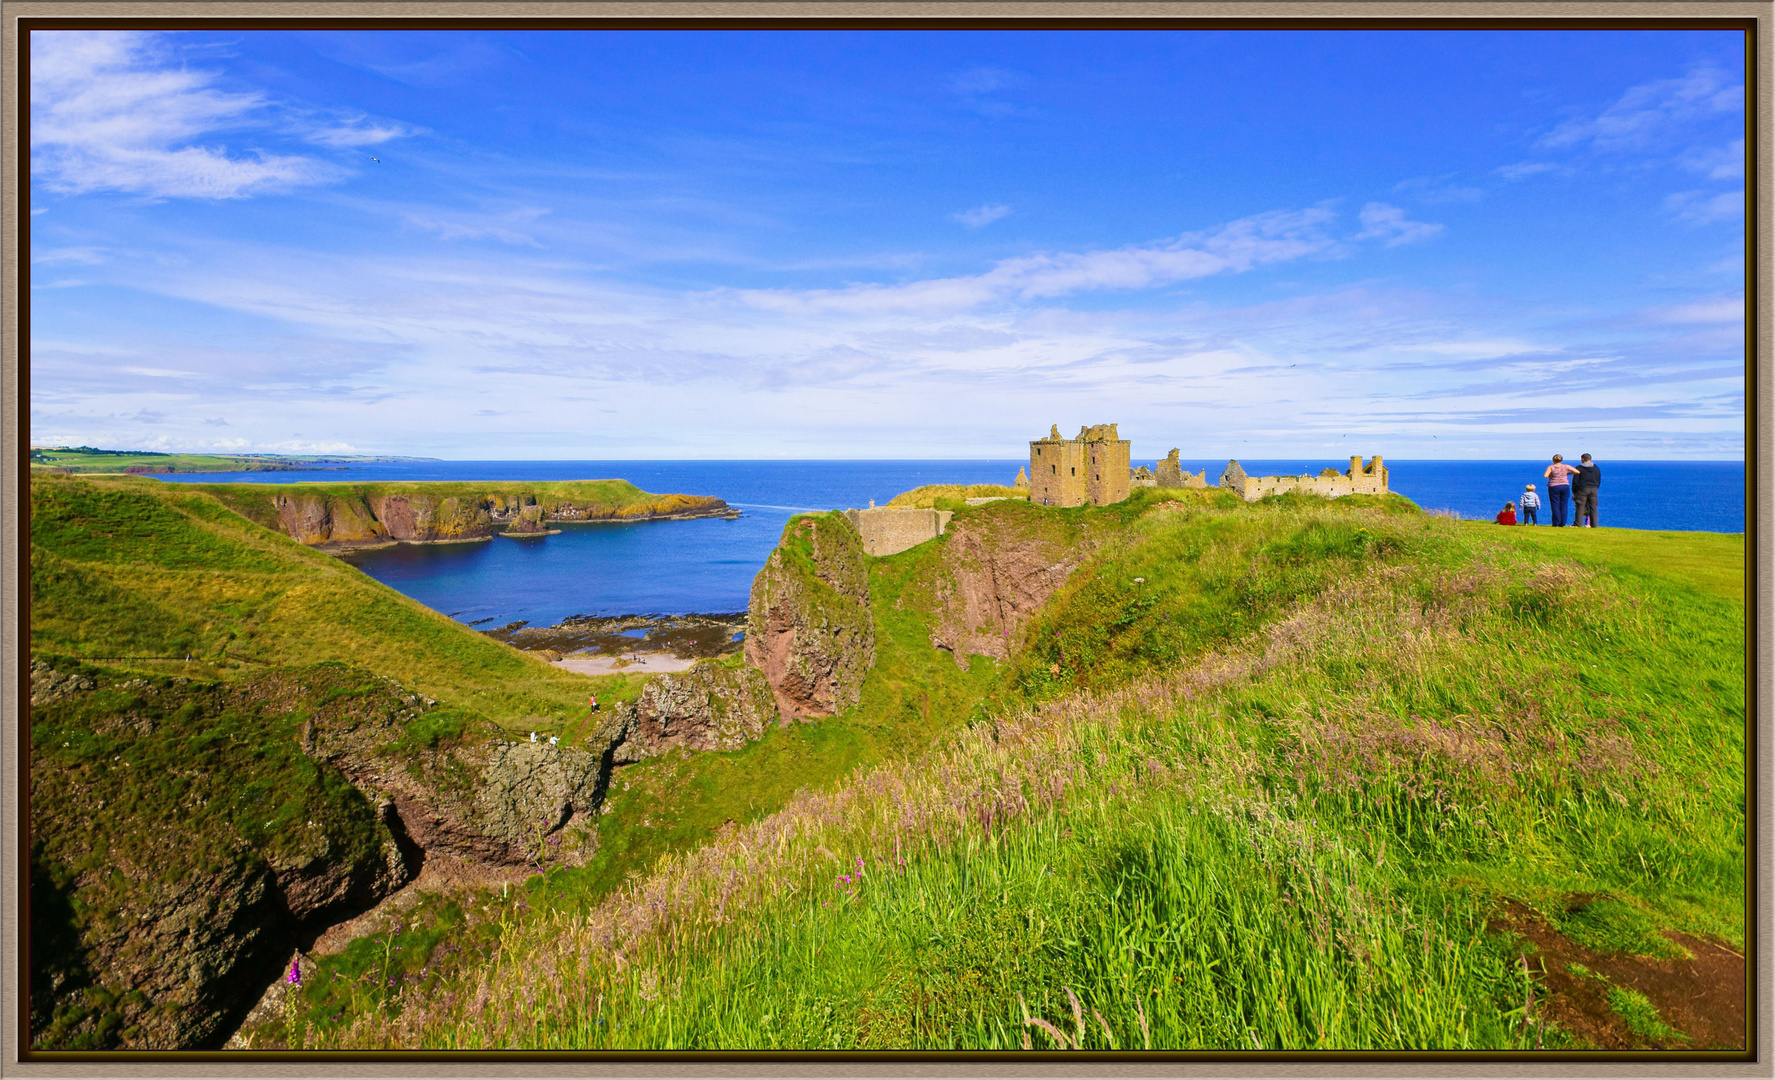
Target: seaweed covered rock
point(710, 707)
point(809, 629)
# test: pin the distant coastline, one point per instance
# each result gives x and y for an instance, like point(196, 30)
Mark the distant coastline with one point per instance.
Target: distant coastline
point(89, 460)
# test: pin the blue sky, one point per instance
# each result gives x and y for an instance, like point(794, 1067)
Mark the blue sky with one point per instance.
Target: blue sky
point(889, 244)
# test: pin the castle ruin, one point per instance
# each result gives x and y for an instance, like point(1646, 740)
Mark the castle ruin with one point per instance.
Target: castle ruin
point(1092, 468)
point(1359, 480)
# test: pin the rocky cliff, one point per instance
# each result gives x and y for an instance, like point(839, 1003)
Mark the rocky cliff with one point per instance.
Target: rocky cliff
point(183, 833)
point(998, 567)
point(355, 515)
point(809, 629)
point(710, 707)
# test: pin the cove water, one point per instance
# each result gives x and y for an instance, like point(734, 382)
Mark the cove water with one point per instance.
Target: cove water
point(707, 565)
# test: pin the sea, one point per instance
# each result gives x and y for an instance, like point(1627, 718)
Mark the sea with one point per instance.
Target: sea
point(706, 566)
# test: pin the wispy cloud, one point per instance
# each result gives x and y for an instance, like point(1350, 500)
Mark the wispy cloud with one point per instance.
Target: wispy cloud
point(1652, 112)
point(1522, 170)
point(1725, 309)
point(109, 111)
point(982, 215)
point(1439, 189)
point(115, 110)
point(1704, 208)
point(1389, 224)
point(1262, 239)
point(1716, 162)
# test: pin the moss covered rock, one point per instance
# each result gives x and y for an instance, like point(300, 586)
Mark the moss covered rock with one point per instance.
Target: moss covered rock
point(809, 629)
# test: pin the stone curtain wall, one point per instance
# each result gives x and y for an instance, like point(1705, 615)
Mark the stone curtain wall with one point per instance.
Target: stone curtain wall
point(888, 531)
point(1359, 480)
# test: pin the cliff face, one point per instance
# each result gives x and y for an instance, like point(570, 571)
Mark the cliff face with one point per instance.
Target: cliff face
point(710, 707)
point(183, 833)
point(808, 625)
point(996, 572)
point(344, 515)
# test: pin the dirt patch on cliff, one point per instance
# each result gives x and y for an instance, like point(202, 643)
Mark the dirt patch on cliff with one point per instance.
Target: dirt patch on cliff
point(1700, 1000)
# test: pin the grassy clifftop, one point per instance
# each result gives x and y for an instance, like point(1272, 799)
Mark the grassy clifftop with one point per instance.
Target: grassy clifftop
point(1294, 774)
point(141, 574)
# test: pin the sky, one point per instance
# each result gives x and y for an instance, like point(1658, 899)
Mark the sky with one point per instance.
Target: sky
point(888, 244)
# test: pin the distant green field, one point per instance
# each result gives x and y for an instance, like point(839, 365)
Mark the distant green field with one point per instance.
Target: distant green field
point(87, 459)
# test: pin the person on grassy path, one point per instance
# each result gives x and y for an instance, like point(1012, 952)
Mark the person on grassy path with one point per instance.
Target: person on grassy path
point(1559, 488)
point(1530, 504)
point(1507, 516)
point(1584, 492)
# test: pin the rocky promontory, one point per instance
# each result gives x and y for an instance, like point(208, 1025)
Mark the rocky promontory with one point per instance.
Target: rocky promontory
point(346, 515)
point(809, 629)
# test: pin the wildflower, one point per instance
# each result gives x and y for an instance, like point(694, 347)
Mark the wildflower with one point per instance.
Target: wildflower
point(296, 972)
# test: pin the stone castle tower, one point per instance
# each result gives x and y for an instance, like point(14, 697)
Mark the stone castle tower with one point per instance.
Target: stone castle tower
point(1092, 468)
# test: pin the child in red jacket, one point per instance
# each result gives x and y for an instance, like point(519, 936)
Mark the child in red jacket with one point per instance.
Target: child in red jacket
point(1507, 516)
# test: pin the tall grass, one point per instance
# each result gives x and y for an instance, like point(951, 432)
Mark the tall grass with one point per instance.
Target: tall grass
point(1291, 839)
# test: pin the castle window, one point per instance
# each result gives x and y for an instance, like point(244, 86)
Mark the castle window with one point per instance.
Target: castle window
point(1075, 470)
point(1055, 469)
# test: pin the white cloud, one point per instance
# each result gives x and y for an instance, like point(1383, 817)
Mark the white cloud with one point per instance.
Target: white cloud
point(1701, 208)
point(1277, 236)
point(357, 130)
point(982, 215)
point(1727, 310)
point(1522, 170)
point(1439, 189)
point(1388, 223)
point(1717, 163)
point(113, 110)
point(1652, 112)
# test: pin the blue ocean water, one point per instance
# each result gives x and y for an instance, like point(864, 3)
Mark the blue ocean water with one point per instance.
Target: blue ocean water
point(680, 567)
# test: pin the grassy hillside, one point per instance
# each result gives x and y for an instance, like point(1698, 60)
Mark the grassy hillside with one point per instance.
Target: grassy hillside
point(136, 573)
point(1328, 777)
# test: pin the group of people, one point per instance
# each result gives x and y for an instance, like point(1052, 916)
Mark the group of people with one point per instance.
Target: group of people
point(1568, 486)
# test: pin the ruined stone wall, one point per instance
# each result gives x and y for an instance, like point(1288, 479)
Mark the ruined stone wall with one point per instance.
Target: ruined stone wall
point(887, 531)
point(1359, 480)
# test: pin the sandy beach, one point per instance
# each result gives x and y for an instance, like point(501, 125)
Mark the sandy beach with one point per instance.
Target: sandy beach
point(631, 664)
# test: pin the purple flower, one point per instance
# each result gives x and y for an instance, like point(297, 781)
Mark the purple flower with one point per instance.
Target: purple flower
point(296, 972)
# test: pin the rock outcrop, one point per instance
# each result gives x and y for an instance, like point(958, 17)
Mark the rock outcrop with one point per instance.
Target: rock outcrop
point(996, 572)
point(809, 629)
point(710, 707)
point(184, 832)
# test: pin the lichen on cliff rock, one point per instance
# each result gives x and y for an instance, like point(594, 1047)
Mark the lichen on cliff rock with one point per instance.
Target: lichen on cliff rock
point(531, 791)
point(710, 707)
point(809, 629)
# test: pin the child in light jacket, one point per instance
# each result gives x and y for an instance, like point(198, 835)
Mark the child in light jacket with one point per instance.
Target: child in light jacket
point(1530, 503)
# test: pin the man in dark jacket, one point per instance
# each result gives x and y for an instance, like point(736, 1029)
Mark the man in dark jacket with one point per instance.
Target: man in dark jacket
point(1584, 487)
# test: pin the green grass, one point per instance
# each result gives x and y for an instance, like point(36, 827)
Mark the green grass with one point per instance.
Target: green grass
point(1272, 802)
point(135, 572)
point(1708, 562)
point(930, 495)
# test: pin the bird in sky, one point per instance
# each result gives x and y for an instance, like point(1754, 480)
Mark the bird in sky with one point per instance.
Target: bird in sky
point(377, 160)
